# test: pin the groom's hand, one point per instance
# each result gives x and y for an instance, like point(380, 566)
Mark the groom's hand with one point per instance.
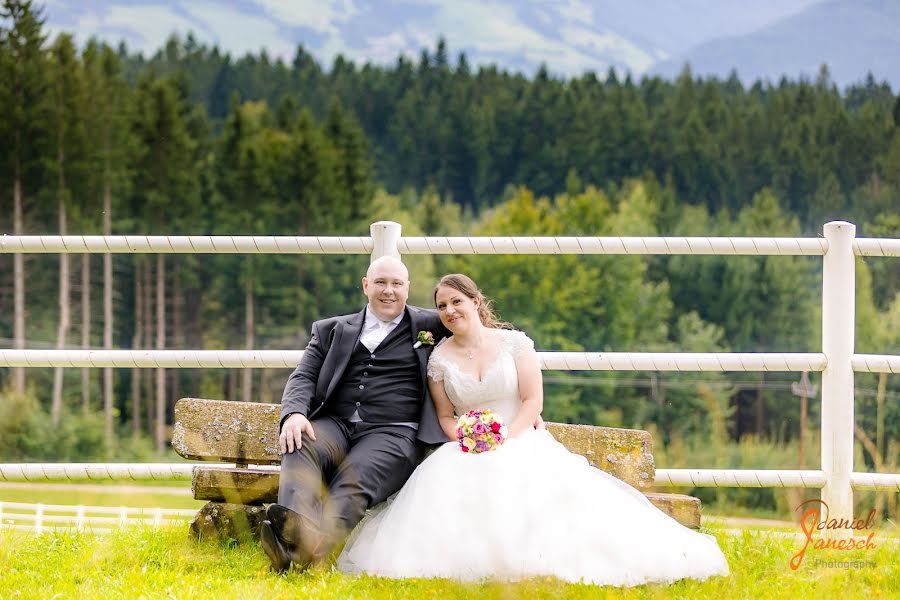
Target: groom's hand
point(292, 432)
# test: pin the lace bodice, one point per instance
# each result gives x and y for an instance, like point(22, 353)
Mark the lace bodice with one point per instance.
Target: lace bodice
point(499, 388)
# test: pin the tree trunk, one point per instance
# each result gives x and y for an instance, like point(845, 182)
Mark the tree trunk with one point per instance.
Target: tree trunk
point(804, 403)
point(247, 382)
point(231, 384)
point(18, 276)
point(108, 321)
point(760, 407)
point(160, 345)
point(148, 343)
point(136, 343)
point(177, 330)
point(264, 386)
point(880, 498)
point(879, 414)
point(86, 329)
point(194, 331)
point(64, 317)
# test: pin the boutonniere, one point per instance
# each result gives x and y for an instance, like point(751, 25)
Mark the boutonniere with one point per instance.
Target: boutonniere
point(424, 337)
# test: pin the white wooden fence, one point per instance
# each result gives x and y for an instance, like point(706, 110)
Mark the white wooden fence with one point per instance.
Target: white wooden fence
point(837, 361)
point(41, 517)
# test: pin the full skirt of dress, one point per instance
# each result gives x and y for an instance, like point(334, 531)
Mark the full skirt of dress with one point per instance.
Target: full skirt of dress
point(530, 508)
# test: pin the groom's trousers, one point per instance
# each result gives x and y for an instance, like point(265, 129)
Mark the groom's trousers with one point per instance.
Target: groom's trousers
point(331, 481)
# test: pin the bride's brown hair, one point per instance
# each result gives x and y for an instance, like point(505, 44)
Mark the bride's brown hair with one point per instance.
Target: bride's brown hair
point(464, 285)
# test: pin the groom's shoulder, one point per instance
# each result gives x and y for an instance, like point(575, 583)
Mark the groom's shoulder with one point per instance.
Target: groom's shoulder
point(428, 313)
point(429, 319)
point(330, 322)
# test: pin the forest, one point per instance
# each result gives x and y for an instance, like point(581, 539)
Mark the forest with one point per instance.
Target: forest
point(101, 140)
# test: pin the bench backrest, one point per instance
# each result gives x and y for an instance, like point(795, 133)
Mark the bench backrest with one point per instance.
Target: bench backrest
point(247, 433)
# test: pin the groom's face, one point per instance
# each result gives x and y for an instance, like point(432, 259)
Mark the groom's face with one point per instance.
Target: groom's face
point(386, 285)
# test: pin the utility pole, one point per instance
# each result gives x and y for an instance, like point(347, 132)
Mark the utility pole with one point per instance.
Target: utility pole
point(804, 390)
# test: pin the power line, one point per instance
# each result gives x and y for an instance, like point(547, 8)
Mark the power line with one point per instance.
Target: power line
point(682, 384)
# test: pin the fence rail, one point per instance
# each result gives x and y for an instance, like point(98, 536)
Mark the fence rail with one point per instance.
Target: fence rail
point(234, 244)
point(98, 471)
point(551, 361)
point(837, 361)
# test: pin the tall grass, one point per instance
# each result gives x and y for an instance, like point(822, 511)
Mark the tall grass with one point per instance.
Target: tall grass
point(166, 563)
point(27, 434)
point(754, 453)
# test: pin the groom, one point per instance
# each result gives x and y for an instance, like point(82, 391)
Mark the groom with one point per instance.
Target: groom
point(355, 416)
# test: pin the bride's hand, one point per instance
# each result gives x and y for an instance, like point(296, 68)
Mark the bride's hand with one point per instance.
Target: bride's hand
point(539, 423)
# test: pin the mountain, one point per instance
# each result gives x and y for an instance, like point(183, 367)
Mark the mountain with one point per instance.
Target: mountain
point(764, 38)
point(853, 37)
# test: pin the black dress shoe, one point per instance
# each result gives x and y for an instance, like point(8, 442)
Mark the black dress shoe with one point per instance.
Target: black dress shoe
point(278, 555)
point(286, 523)
point(297, 532)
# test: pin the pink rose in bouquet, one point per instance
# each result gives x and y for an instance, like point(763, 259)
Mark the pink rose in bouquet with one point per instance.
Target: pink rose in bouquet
point(480, 431)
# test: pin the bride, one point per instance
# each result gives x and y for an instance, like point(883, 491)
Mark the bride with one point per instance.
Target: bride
point(530, 508)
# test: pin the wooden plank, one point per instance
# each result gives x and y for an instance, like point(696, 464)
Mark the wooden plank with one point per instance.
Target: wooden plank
point(624, 453)
point(684, 509)
point(218, 430)
point(257, 486)
point(235, 486)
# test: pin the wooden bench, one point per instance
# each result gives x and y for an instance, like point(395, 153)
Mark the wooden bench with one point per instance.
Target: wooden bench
point(246, 433)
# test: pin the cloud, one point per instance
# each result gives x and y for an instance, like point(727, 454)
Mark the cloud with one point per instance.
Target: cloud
point(575, 10)
point(611, 46)
point(558, 32)
point(144, 27)
point(319, 15)
point(494, 32)
point(322, 17)
point(239, 32)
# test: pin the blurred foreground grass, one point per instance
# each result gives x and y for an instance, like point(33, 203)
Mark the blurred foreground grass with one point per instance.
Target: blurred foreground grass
point(144, 563)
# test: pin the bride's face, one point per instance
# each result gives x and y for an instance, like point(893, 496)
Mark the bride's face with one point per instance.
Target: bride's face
point(458, 312)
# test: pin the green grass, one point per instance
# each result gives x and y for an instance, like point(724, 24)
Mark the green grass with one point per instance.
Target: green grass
point(110, 495)
point(138, 562)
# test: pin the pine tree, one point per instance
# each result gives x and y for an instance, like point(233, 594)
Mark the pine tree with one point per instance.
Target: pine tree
point(23, 78)
point(166, 187)
point(108, 122)
point(66, 86)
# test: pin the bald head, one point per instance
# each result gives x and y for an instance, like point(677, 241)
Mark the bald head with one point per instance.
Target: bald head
point(387, 263)
point(386, 285)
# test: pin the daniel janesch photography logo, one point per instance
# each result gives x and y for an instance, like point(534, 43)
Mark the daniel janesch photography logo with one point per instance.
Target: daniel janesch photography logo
point(816, 520)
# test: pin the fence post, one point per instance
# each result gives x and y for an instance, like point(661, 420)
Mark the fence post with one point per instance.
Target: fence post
point(385, 235)
point(838, 335)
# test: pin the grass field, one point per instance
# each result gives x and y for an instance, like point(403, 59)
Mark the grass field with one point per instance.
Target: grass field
point(153, 494)
point(144, 563)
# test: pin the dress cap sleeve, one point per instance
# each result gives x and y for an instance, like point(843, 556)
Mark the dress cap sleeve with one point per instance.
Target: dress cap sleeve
point(518, 343)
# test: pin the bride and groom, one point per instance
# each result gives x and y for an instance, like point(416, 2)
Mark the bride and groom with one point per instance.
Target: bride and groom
point(374, 389)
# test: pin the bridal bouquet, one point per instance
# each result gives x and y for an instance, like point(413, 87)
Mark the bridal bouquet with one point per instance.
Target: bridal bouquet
point(480, 431)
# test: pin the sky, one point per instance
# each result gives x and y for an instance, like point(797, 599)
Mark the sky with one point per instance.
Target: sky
point(571, 36)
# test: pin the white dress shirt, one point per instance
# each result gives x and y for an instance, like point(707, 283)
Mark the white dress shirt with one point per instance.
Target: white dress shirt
point(374, 330)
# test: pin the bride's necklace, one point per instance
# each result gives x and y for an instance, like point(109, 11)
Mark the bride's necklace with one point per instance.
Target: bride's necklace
point(471, 350)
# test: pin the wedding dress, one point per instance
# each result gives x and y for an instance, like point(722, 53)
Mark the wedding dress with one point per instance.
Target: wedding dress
point(529, 508)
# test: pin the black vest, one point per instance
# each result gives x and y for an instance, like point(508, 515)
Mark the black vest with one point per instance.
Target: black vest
point(385, 385)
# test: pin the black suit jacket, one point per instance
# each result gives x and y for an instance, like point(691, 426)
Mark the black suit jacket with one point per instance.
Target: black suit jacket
point(314, 380)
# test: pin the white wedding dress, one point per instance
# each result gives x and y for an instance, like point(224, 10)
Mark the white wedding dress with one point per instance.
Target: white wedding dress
point(529, 508)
